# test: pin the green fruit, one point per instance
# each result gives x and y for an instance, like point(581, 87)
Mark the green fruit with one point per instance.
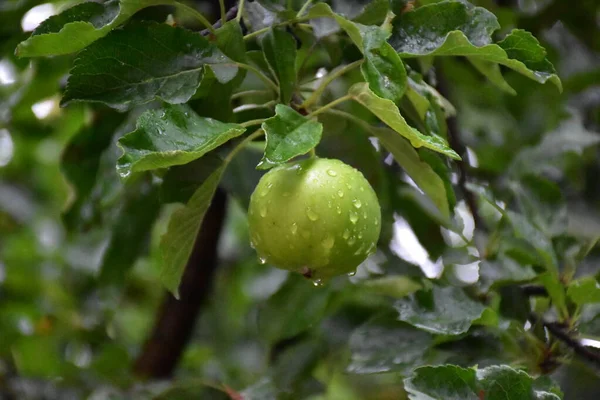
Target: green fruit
point(319, 217)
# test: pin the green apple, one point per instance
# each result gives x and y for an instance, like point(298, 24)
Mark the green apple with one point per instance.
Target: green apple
point(319, 217)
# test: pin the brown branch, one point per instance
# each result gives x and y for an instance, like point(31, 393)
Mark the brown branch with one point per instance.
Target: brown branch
point(176, 319)
point(458, 146)
point(231, 13)
point(559, 332)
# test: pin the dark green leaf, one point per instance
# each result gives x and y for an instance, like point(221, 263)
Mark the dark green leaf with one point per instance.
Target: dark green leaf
point(79, 26)
point(383, 345)
point(442, 311)
point(142, 62)
point(173, 135)
point(383, 69)
point(450, 382)
point(295, 308)
point(130, 234)
point(461, 29)
point(289, 134)
point(279, 48)
point(177, 243)
point(584, 291)
point(502, 271)
point(387, 112)
point(541, 243)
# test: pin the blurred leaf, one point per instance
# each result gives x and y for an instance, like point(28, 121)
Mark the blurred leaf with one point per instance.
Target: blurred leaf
point(177, 243)
point(130, 234)
point(442, 311)
point(293, 309)
point(384, 345)
point(556, 291)
point(147, 61)
point(584, 291)
point(464, 30)
point(279, 49)
point(450, 382)
point(503, 271)
point(541, 243)
point(395, 286)
point(419, 171)
point(79, 26)
point(289, 134)
point(387, 111)
point(37, 356)
point(382, 68)
point(262, 390)
point(173, 135)
point(493, 73)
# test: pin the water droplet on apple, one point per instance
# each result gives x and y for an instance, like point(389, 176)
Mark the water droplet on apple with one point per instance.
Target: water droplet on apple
point(313, 216)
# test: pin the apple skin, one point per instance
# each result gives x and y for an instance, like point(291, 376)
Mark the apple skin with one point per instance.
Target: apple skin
point(319, 217)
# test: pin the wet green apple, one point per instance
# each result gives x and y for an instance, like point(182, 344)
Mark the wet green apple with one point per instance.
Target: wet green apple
point(319, 217)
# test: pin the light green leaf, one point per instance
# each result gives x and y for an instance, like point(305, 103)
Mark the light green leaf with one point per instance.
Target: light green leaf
point(143, 61)
point(461, 29)
point(177, 243)
point(585, 290)
point(173, 135)
point(442, 311)
point(279, 48)
point(382, 69)
point(419, 171)
point(387, 112)
point(289, 134)
point(79, 26)
point(451, 382)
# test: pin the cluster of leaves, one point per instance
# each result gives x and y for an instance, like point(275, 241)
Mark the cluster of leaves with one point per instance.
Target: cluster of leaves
point(161, 111)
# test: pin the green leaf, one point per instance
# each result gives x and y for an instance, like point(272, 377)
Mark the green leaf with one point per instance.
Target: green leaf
point(384, 345)
point(322, 10)
point(177, 243)
point(442, 311)
point(556, 291)
point(144, 61)
point(450, 382)
point(395, 286)
point(583, 291)
point(541, 243)
point(173, 135)
point(493, 73)
point(279, 48)
point(275, 319)
point(289, 134)
point(230, 41)
point(79, 26)
point(503, 271)
point(130, 233)
point(382, 68)
point(387, 112)
point(463, 30)
point(419, 171)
